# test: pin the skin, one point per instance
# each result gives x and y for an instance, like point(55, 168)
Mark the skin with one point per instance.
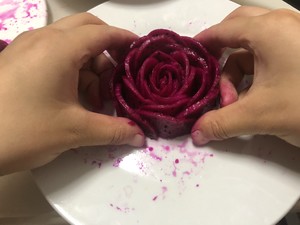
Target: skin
point(42, 73)
point(268, 47)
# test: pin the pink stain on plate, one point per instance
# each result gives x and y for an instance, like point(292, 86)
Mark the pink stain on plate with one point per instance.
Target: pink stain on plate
point(177, 165)
point(122, 209)
point(150, 151)
point(17, 16)
point(167, 148)
point(131, 123)
point(28, 9)
point(155, 156)
point(162, 195)
point(117, 162)
point(97, 163)
point(6, 15)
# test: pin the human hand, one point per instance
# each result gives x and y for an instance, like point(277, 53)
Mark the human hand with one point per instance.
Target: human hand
point(40, 73)
point(269, 49)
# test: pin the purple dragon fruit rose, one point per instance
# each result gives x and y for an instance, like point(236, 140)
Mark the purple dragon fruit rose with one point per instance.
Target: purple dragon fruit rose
point(165, 83)
point(3, 45)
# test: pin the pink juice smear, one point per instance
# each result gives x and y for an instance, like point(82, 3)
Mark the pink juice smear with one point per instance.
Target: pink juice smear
point(131, 123)
point(176, 166)
point(17, 16)
point(164, 189)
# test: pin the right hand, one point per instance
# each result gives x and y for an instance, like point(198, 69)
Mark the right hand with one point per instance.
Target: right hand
point(271, 51)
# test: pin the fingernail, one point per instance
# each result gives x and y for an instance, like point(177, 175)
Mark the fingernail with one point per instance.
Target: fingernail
point(138, 140)
point(199, 138)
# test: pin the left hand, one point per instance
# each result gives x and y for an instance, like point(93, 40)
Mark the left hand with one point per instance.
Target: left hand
point(40, 73)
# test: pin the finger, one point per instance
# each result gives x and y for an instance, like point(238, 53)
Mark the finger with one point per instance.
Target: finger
point(77, 20)
point(233, 120)
point(232, 32)
point(238, 64)
point(105, 84)
point(246, 11)
point(228, 92)
point(108, 60)
point(89, 88)
point(101, 64)
point(92, 40)
point(101, 129)
point(95, 87)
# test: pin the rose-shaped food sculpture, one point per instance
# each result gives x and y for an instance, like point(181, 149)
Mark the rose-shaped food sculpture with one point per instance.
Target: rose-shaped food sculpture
point(165, 83)
point(3, 45)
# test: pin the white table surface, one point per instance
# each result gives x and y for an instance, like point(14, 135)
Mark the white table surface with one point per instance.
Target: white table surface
point(21, 202)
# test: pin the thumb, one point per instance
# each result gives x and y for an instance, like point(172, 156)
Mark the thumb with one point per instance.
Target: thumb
point(230, 121)
point(99, 129)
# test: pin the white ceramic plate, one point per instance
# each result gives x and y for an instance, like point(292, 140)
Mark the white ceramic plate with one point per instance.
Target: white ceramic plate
point(17, 16)
point(247, 180)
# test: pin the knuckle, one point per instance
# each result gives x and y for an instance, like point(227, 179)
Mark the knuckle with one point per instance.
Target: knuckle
point(215, 128)
point(87, 17)
point(76, 134)
point(76, 128)
point(42, 38)
point(218, 131)
point(116, 137)
point(283, 13)
point(49, 35)
point(45, 33)
point(283, 17)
